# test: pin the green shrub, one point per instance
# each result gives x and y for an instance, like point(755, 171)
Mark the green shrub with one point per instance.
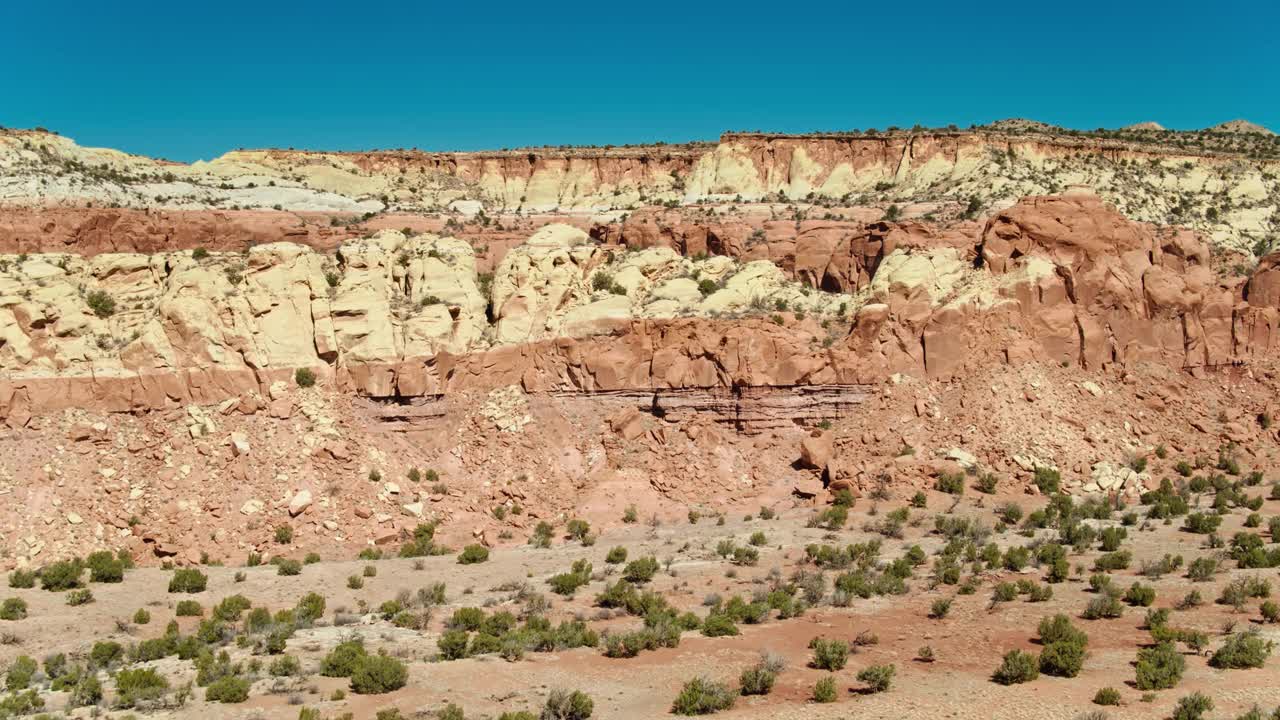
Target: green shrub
point(701, 696)
point(141, 617)
point(1107, 696)
point(79, 596)
point(578, 529)
point(228, 689)
point(1242, 650)
point(376, 674)
point(22, 579)
point(1062, 659)
point(824, 691)
point(640, 571)
point(285, 666)
point(342, 659)
point(102, 304)
point(1017, 667)
point(1270, 612)
point(1048, 481)
point(1140, 595)
point(105, 653)
point(139, 685)
point(62, 575)
point(1104, 606)
point(20, 672)
point(187, 580)
point(952, 484)
point(719, 625)
point(105, 567)
point(616, 555)
point(453, 644)
point(1202, 523)
point(829, 654)
point(188, 608)
point(472, 554)
point(310, 608)
point(759, 678)
point(877, 677)
point(1192, 707)
point(940, 608)
point(13, 609)
point(1159, 667)
point(566, 705)
point(288, 567)
point(304, 377)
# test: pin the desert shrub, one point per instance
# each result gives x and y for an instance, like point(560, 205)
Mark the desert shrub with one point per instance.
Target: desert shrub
point(1118, 560)
point(578, 529)
point(616, 555)
point(1059, 628)
point(13, 609)
point(1202, 523)
point(640, 571)
point(1192, 707)
point(759, 678)
point(87, 691)
point(343, 658)
point(1104, 606)
point(719, 625)
point(701, 696)
point(1140, 595)
point(187, 580)
point(1242, 650)
point(1107, 696)
point(473, 554)
point(940, 608)
point(62, 575)
point(877, 677)
point(79, 596)
point(1202, 569)
point(1062, 659)
point(188, 608)
point(824, 691)
point(566, 705)
point(102, 304)
point(105, 567)
point(20, 672)
point(453, 644)
point(1017, 667)
point(227, 689)
point(1048, 481)
point(376, 674)
point(139, 685)
point(285, 666)
point(22, 579)
point(952, 484)
point(1270, 612)
point(105, 653)
point(309, 608)
point(304, 377)
point(829, 654)
point(1159, 667)
point(288, 567)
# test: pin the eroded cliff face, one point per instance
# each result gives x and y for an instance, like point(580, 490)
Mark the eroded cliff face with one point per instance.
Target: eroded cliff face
point(1231, 197)
point(1058, 280)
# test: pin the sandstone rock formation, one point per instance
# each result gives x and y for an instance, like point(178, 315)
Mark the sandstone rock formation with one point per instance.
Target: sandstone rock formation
point(1059, 279)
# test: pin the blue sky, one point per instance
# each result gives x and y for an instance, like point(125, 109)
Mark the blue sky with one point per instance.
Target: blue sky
point(190, 80)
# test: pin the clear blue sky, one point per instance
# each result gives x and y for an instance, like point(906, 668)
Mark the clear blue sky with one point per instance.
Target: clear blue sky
point(189, 80)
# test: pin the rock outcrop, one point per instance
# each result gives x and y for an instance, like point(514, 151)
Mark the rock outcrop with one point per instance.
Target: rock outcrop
point(1057, 279)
